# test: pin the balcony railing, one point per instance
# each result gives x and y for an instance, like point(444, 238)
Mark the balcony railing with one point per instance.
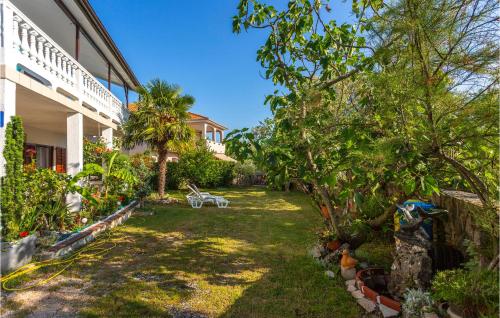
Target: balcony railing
point(216, 147)
point(38, 54)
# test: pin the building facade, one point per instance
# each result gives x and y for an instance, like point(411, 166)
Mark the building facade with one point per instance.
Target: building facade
point(58, 68)
point(205, 129)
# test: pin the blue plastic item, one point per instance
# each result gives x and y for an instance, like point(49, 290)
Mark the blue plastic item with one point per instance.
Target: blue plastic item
point(426, 206)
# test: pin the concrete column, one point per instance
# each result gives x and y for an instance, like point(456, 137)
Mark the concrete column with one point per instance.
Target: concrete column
point(107, 136)
point(214, 131)
point(204, 132)
point(7, 110)
point(222, 136)
point(74, 152)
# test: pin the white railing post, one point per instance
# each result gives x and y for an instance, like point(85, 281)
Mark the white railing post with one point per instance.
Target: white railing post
point(47, 64)
point(41, 50)
point(53, 62)
point(32, 44)
point(79, 83)
point(24, 38)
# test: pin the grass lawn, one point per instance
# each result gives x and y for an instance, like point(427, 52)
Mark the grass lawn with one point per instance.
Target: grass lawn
point(250, 260)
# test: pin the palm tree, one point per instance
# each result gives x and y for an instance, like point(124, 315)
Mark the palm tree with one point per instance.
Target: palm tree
point(160, 121)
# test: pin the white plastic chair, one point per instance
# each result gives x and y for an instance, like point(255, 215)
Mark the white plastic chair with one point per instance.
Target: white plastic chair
point(196, 198)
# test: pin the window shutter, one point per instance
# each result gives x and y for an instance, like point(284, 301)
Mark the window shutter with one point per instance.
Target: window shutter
point(61, 160)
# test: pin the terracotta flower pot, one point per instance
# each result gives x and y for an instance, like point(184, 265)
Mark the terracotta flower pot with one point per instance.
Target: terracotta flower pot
point(333, 245)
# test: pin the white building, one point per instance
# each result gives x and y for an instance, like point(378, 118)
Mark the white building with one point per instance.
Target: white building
point(205, 129)
point(58, 65)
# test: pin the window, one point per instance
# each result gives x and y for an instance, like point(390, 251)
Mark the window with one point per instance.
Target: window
point(60, 160)
point(41, 154)
point(44, 156)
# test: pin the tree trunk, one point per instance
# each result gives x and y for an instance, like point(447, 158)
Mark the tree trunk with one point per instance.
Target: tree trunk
point(381, 219)
point(478, 187)
point(162, 175)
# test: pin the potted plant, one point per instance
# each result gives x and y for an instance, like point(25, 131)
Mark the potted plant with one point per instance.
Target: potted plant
point(469, 293)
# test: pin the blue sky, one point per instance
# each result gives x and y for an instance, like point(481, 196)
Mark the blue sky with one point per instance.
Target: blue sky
point(190, 43)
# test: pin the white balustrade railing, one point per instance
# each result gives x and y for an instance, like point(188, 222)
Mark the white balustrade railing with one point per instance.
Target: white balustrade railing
point(216, 147)
point(36, 51)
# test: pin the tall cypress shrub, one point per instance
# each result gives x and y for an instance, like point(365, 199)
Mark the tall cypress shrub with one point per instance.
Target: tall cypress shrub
point(12, 192)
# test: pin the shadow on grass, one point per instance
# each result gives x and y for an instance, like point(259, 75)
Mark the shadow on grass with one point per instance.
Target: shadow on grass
point(246, 261)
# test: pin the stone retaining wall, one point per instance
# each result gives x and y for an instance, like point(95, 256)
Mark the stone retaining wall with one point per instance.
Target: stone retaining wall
point(82, 238)
point(459, 225)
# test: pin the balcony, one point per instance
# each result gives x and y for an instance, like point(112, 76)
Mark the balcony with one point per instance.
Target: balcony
point(30, 51)
point(216, 147)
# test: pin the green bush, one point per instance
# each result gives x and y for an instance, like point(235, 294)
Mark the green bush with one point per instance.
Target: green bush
point(245, 172)
point(12, 198)
point(119, 181)
point(199, 166)
point(46, 192)
point(473, 292)
point(143, 167)
point(94, 150)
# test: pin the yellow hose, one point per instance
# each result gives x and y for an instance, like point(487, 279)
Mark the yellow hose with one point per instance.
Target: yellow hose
point(90, 251)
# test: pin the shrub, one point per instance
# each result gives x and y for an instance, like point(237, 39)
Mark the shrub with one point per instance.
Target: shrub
point(94, 150)
point(117, 186)
point(473, 292)
point(174, 176)
point(143, 167)
point(46, 192)
point(226, 170)
point(32, 199)
point(417, 303)
point(199, 166)
point(12, 194)
point(245, 172)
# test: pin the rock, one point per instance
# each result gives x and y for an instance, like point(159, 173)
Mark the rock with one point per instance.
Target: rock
point(322, 249)
point(348, 274)
point(367, 304)
point(357, 294)
point(330, 274)
point(315, 252)
point(387, 312)
point(350, 282)
point(411, 269)
point(430, 315)
point(351, 288)
point(330, 259)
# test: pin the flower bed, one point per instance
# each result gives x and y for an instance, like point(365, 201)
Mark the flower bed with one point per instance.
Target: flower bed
point(87, 235)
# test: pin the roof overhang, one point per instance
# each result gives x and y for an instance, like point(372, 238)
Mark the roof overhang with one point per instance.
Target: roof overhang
point(224, 157)
point(197, 118)
point(207, 121)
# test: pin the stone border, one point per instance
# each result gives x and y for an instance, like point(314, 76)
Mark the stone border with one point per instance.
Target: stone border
point(74, 242)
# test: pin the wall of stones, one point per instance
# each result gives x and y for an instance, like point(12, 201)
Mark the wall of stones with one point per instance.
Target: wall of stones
point(459, 224)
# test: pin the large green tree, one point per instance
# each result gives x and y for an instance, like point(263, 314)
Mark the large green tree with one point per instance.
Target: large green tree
point(372, 112)
point(160, 121)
